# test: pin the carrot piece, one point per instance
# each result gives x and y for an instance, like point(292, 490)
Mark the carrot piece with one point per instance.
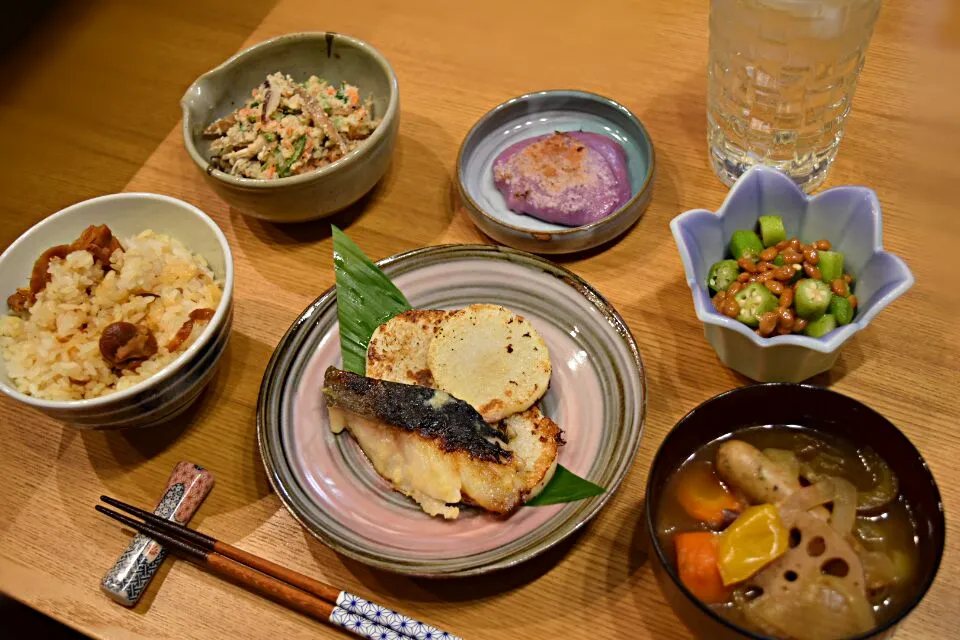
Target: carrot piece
point(703, 497)
point(697, 565)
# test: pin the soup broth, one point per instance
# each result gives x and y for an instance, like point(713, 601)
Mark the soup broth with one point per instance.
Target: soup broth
point(883, 526)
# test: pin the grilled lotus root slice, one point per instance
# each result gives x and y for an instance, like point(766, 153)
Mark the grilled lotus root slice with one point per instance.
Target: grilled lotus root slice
point(535, 440)
point(491, 358)
point(398, 348)
point(819, 582)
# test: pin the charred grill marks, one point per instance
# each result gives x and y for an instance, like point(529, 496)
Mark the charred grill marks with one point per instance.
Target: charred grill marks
point(454, 424)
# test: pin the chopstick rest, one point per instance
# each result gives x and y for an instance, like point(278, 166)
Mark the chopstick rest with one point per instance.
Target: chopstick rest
point(299, 592)
point(128, 578)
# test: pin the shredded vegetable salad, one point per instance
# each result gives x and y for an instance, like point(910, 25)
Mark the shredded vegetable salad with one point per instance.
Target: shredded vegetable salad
point(287, 128)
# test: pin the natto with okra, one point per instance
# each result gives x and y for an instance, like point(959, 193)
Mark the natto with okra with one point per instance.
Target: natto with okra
point(780, 286)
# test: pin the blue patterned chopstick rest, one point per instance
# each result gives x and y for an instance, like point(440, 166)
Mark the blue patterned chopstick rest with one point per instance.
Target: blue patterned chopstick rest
point(128, 578)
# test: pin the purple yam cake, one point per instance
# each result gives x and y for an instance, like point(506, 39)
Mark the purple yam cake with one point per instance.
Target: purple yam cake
point(572, 179)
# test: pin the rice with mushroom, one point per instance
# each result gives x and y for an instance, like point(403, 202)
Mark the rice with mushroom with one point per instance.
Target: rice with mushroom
point(52, 350)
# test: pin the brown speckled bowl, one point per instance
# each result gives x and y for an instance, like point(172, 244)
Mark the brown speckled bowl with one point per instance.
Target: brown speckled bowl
point(308, 196)
point(807, 406)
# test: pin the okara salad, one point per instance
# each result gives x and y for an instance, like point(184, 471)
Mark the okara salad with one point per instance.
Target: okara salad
point(288, 128)
point(780, 286)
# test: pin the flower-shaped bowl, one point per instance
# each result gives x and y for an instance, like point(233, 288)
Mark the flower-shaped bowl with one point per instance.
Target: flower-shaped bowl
point(849, 217)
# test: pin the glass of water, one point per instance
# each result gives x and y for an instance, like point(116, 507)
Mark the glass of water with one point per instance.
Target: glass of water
point(782, 74)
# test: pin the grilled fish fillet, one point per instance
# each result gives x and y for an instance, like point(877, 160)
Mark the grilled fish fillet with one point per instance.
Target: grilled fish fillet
point(398, 352)
point(437, 449)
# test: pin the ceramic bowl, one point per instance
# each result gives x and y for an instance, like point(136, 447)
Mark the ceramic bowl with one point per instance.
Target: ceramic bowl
point(818, 409)
point(171, 390)
point(536, 114)
point(331, 56)
point(597, 395)
point(849, 217)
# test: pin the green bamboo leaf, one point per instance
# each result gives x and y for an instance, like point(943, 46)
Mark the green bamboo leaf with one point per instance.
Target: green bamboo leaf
point(366, 298)
point(565, 486)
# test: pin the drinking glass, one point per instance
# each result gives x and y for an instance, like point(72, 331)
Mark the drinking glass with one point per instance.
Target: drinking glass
point(782, 75)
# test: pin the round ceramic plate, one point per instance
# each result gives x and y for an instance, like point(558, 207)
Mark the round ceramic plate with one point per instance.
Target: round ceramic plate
point(597, 395)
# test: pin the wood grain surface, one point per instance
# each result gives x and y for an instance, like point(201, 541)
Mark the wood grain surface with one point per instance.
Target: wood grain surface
point(455, 61)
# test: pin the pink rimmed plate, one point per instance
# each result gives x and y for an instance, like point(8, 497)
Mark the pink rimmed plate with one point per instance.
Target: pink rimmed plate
point(597, 394)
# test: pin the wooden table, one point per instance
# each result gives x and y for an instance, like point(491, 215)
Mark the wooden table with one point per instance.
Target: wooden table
point(454, 61)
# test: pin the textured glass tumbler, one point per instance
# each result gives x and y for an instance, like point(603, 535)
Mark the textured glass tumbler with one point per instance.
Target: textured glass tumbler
point(781, 76)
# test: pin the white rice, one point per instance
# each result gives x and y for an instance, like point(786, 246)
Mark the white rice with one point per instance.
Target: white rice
point(53, 350)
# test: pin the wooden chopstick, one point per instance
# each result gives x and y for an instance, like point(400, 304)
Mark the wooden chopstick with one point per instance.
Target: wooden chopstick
point(299, 592)
point(262, 583)
point(321, 590)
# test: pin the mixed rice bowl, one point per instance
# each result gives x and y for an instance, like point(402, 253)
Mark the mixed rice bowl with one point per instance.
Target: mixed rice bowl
point(100, 319)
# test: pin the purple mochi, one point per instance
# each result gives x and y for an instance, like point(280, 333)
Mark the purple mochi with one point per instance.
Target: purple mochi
point(573, 178)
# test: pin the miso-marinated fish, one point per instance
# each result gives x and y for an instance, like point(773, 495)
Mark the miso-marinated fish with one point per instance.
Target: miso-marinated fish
point(437, 449)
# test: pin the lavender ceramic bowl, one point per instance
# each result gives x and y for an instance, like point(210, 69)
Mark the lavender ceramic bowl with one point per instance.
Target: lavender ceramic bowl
point(847, 216)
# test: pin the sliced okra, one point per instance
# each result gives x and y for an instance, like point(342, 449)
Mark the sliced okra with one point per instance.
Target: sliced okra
point(745, 244)
point(830, 265)
point(771, 230)
point(812, 298)
point(722, 275)
point(754, 301)
point(821, 326)
point(841, 310)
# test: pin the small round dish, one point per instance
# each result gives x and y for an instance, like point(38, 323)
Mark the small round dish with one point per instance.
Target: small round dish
point(807, 406)
point(597, 394)
point(539, 113)
point(171, 390)
point(307, 196)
